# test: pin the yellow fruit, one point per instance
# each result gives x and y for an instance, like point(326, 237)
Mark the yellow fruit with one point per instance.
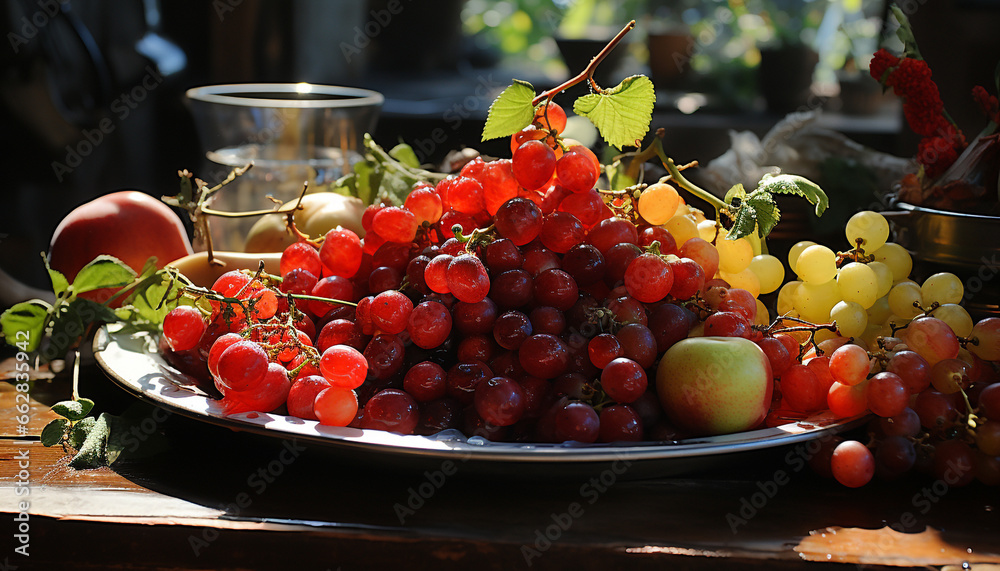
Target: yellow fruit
point(321, 212)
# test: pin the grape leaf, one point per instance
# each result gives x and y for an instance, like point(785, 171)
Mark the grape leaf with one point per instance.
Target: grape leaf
point(797, 185)
point(145, 301)
point(25, 318)
point(59, 281)
point(757, 211)
point(104, 271)
point(404, 153)
point(511, 111)
point(622, 113)
point(768, 214)
point(737, 191)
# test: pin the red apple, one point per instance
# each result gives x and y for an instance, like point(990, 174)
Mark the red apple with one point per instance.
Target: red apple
point(714, 385)
point(129, 225)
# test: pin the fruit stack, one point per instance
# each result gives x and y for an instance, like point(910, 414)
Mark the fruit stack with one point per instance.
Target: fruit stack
point(516, 302)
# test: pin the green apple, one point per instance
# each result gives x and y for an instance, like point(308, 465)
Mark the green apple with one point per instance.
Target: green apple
point(714, 385)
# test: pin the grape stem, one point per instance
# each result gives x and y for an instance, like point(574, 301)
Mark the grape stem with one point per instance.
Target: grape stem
point(588, 73)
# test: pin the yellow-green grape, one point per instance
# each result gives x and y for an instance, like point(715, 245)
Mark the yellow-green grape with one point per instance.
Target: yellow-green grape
point(816, 265)
point(879, 312)
point(796, 250)
point(897, 258)
point(658, 203)
point(902, 297)
point(762, 317)
point(858, 283)
point(786, 297)
point(734, 255)
point(707, 230)
point(850, 317)
point(769, 270)
point(814, 302)
point(870, 228)
point(682, 228)
point(943, 288)
point(956, 317)
point(883, 276)
point(744, 280)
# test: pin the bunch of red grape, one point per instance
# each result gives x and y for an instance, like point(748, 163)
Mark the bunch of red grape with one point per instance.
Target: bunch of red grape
point(512, 301)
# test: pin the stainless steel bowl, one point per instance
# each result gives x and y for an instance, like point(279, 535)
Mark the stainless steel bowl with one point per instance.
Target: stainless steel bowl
point(967, 245)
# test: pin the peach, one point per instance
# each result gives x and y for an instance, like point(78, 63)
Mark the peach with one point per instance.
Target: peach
point(129, 225)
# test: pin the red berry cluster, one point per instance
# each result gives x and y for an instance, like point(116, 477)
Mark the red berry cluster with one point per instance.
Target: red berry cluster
point(910, 79)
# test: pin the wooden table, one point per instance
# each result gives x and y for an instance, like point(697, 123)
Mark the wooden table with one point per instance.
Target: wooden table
point(205, 497)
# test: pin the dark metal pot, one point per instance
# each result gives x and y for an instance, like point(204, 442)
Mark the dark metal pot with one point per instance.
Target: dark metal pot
point(967, 245)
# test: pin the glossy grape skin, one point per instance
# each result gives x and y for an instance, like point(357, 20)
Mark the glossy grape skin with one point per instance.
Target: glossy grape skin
point(391, 410)
point(649, 278)
point(467, 278)
point(611, 232)
point(669, 324)
point(304, 255)
point(578, 169)
point(519, 220)
point(887, 394)
point(619, 423)
point(500, 401)
point(511, 329)
point(502, 255)
point(561, 231)
point(547, 319)
point(463, 378)
point(429, 324)
point(852, 464)
point(624, 380)
point(533, 164)
point(555, 288)
point(242, 365)
point(912, 369)
point(302, 396)
point(183, 327)
point(475, 318)
point(390, 311)
point(544, 356)
point(689, 278)
point(384, 354)
point(425, 381)
point(802, 389)
point(576, 421)
point(512, 289)
point(551, 117)
point(340, 253)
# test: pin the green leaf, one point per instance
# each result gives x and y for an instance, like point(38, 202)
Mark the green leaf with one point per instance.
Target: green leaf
point(81, 429)
point(622, 113)
point(53, 432)
point(346, 185)
point(744, 223)
point(797, 185)
point(768, 214)
point(737, 191)
point(94, 450)
point(104, 271)
point(27, 318)
point(618, 177)
point(404, 153)
point(59, 281)
point(369, 179)
point(118, 436)
point(91, 311)
point(511, 111)
point(73, 409)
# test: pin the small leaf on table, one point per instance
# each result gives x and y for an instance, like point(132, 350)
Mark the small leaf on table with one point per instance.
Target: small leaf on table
point(53, 432)
point(73, 409)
